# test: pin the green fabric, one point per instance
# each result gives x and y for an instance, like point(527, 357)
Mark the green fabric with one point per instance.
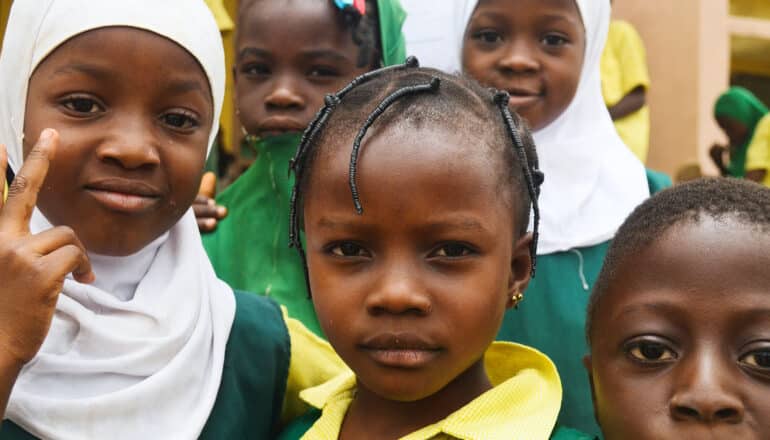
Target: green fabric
point(301, 425)
point(552, 319)
point(256, 368)
point(741, 105)
point(249, 249)
point(657, 181)
point(392, 17)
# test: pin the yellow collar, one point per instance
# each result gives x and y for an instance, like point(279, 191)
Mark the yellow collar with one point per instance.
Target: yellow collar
point(525, 400)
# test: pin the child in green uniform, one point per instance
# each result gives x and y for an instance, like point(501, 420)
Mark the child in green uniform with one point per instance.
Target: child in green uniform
point(738, 113)
point(547, 53)
point(289, 56)
point(113, 323)
point(679, 320)
point(413, 197)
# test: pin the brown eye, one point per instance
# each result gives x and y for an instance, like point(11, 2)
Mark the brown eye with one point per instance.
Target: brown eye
point(452, 250)
point(488, 36)
point(82, 105)
point(757, 359)
point(349, 249)
point(651, 352)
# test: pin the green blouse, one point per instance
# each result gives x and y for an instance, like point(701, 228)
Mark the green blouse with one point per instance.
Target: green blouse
point(254, 378)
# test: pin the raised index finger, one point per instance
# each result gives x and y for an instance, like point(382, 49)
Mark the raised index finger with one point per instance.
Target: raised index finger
point(22, 195)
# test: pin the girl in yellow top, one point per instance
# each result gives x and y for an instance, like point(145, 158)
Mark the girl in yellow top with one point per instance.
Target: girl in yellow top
point(417, 243)
point(625, 81)
point(758, 154)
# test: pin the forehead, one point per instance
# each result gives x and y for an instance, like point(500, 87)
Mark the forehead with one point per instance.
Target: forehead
point(701, 272)
point(293, 24)
point(408, 167)
point(521, 10)
point(115, 53)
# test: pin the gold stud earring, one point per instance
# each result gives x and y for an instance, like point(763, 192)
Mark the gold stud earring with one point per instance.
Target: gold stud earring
point(517, 298)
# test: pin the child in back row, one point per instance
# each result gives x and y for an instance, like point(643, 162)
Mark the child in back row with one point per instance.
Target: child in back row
point(681, 348)
point(113, 323)
point(546, 54)
point(289, 56)
point(413, 195)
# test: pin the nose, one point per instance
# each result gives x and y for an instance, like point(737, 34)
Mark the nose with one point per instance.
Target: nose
point(399, 293)
point(705, 394)
point(133, 145)
point(285, 95)
point(519, 58)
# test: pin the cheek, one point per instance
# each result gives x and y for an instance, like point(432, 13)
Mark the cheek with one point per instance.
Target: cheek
point(184, 169)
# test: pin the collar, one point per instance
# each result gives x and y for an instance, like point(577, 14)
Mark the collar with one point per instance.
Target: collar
point(525, 399)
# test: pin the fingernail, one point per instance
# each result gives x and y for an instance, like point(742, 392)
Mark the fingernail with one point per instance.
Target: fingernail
point(221, 211)
point(47, 134)
point(211, 223)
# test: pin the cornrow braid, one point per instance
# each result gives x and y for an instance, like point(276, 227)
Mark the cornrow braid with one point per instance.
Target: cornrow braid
point(520, 155)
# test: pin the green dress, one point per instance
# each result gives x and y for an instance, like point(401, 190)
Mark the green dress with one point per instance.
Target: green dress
point(741, 105)
point(249, 249)
point(552, 319)
point(256, 368)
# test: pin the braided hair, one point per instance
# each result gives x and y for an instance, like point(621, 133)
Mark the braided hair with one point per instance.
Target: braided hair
point(365, 30)
point(407, 94)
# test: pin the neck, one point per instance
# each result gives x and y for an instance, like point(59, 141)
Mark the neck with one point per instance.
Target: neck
point(376, 417)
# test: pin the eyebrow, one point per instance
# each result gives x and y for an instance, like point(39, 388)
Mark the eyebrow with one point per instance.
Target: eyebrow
point(326, 53)
point(466, 224)
point(182, 86)
point(253, 51)
point(91, 70)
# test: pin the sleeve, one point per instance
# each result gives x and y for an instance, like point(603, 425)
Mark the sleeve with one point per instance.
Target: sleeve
point(313, 362)
point(758, 153)
point(632, 58)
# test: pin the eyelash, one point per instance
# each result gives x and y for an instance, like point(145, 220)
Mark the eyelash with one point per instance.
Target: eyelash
point(256, 69)
point(70, 104)
point(348, 249)
point(189, 120)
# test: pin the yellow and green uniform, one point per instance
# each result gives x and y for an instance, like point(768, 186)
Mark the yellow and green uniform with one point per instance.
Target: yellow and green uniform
point(758, 153)
point(249, 249)
point(269, 358)
point(524, 403)
point(623, 69)
point(739, 104)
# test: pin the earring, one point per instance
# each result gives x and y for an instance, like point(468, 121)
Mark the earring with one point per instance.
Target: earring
point(517, 298)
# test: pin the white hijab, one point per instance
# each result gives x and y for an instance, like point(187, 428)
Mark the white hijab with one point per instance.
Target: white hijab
point(140, 353)
point(592, 180)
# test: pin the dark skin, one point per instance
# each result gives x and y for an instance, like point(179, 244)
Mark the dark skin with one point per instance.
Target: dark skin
point(412, 292)
point(127, 167)
point(534, 49)
point(737, 133)
point(289, 56)
point(630, 104)
point(681, 349)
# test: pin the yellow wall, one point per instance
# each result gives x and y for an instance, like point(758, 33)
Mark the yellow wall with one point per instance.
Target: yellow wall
point(688, 56)
point(5, 8)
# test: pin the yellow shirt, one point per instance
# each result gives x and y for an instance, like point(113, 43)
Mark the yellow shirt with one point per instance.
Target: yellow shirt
point(313, 361)
point(758, 153)
point(525, 400)
point(624, 68)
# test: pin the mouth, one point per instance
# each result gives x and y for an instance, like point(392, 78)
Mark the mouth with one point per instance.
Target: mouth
point(126, 196)
point(523, 97)
point(401, 350)
point(277, 125)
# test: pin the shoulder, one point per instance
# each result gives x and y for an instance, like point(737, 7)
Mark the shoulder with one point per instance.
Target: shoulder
point(300, 425)
point(258, 323)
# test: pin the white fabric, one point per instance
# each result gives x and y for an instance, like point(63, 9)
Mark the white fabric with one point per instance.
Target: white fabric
point(592, 180)
point(140, 353)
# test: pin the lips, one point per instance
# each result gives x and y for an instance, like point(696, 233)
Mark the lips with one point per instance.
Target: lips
point(123, 195)
point(523, 97)
point(401, 350)
point(279, 124)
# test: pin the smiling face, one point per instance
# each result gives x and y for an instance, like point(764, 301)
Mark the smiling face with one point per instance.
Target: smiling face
point(134, 113)
point(682, 348)
point(412, 292)
point(534, 49)
point(289, 58)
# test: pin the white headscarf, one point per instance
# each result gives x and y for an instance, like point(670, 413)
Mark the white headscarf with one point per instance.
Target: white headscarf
point(140, 353)
point(592, 180)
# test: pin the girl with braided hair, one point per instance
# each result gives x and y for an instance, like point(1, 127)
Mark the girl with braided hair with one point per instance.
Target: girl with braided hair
point(289, 55)
point(411, 211)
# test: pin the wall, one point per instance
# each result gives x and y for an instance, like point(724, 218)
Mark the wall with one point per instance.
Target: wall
point(688, 55)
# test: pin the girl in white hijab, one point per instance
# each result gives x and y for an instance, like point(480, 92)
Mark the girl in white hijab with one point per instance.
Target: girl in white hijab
point(144, 340)
point(546, 53)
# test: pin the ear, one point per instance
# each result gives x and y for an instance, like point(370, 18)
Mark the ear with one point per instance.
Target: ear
point(521, 268)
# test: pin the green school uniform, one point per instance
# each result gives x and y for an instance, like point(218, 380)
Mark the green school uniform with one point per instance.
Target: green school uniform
point(249, 249)
point(254, 378)
point(741, 105)
point(552, 319)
